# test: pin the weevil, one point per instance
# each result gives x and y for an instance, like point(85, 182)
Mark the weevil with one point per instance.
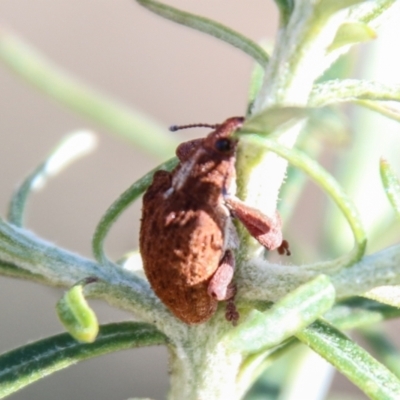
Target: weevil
point(187, 236)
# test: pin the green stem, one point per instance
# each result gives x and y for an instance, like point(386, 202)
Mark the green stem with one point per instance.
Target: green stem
point(258, 279)
point(118, 286)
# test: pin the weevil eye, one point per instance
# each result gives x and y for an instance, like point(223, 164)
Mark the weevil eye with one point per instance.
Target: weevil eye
point(224, 145)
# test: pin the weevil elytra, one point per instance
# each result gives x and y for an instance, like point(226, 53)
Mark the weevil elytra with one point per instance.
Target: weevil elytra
point(187, 235)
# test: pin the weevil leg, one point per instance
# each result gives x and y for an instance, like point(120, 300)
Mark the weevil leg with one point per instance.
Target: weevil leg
point(222, 288)
point(284, 248)
point(231, 312)
point(267, 230)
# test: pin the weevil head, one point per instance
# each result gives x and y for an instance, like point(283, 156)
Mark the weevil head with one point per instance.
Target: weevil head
point(210, 160)
point(221, 140)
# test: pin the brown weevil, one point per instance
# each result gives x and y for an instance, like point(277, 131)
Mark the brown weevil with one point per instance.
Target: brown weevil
point(187, 236)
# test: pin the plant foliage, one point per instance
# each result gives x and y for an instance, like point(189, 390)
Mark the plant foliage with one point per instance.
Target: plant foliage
point(281, 306)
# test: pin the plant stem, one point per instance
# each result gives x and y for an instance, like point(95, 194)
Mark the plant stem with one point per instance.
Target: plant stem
point(203, 367)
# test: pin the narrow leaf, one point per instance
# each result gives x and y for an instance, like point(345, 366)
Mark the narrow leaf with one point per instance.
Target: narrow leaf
point(344, 90)
point(256, 80)
point(359, 312)
point(389, 112)
point(349, 314)
point(373, 12)
point(262, 330)
point(272, 118)
point(51, 80)
point(351, 33)
point(389, 294)
point(25, 365)
point(391, 184)
point(375, 380)
point(327, 183)
point(77, 316)
point(385, 350)
point(120, 205)
point(10, 270)
point(308, 376)
point(70, 149)
point(326, 125)
point(285, 8)
point(328, 7)
point(210, 27)
point(255, 364)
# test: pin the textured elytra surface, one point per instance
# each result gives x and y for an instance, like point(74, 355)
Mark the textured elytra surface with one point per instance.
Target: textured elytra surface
point(185, 224)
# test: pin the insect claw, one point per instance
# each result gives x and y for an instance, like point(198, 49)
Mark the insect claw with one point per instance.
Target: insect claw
point(284, 248)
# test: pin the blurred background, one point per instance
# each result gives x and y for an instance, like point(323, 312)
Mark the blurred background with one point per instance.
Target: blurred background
point(169, 72)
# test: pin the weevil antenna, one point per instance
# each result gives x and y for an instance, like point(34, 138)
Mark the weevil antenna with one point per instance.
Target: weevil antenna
point(174, 128)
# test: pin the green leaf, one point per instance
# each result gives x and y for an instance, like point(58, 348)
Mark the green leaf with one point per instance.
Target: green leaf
point(256, 80)
point(359, 312)
point(372, 11)
point(375, 380)
point(70, 149)
point(325, 126)
point(351, 33)
point(272, 118)
point(389, 112)
point(67, 90)
point(210, 27)
point(10, 270)
point(25, 365)
point(389, 294)
point(391, 184)
point(120, 205)
point(328, 7)
point(77, 316)
point(348, 314)
point(327, 183)
point(382, 346)
point(262, 330)
point(285, 7)
point(344, 90)
point(341, 68)
point(255, 364)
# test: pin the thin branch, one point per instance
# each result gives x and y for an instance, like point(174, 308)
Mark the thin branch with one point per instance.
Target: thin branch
point(261, 280)
point(22, 249)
